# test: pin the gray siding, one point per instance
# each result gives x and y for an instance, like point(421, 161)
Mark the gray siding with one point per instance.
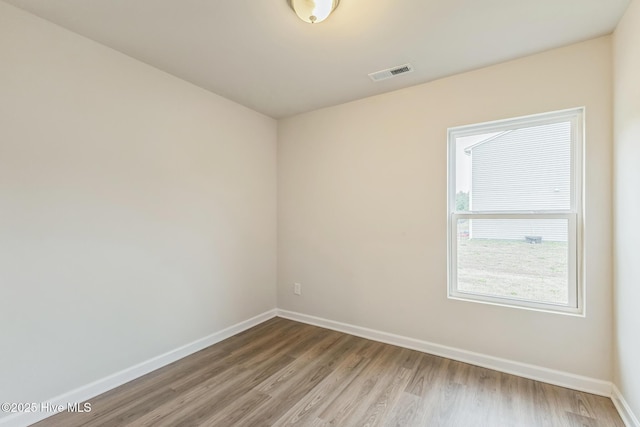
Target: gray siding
point(554, 230)
point(523, 169)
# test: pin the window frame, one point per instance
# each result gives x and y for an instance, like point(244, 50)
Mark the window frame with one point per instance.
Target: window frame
point(574, 215)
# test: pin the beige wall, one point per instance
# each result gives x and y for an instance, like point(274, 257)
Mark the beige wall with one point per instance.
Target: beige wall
point(137, 212)
point(627, 206)
point(362, 210)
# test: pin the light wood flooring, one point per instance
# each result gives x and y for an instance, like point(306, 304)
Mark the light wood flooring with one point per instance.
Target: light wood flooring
point(283, 373)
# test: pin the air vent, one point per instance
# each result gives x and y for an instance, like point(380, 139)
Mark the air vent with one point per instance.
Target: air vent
point(391, 72)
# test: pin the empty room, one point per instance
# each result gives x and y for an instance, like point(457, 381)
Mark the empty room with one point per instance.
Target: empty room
point(319, 213)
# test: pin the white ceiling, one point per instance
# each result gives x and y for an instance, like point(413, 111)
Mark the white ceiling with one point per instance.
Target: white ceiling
point(258, 53)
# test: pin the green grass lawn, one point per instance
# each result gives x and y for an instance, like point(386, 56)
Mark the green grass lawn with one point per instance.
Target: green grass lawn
point(514, 269)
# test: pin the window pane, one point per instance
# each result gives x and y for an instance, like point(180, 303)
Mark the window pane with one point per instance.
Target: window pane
point(523, 169)
point(523, 259)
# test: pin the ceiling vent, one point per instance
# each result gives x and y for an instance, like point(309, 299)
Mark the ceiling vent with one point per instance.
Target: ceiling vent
point(391, 72)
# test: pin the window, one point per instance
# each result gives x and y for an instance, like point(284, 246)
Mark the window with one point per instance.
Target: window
point(515, 212)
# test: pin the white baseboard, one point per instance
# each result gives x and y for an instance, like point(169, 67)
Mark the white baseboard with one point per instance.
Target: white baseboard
point(563, 379)
point(629, 418)
point(89, 391)
point(538, 373)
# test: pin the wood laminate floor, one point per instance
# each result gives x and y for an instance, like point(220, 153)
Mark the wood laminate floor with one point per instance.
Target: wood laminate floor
point(283, 373)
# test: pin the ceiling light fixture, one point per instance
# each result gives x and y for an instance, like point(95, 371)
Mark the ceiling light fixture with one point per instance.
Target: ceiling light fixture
point(313, 11)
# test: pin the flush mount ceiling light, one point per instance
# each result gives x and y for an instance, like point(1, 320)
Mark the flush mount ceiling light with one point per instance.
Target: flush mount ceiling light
point(313, 11)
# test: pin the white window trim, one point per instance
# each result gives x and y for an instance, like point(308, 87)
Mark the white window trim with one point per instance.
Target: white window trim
point(574, 215)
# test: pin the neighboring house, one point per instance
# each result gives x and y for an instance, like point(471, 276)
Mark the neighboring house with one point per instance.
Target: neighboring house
point(526, 169)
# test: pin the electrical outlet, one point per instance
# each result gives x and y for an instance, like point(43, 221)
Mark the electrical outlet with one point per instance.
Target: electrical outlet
point(297, 288)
